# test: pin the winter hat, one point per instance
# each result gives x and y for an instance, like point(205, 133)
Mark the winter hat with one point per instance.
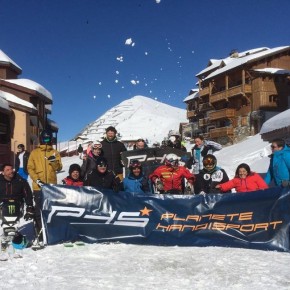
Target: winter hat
point(21, 146)
point(111, 128)
point(74, 167)
point(101, 161)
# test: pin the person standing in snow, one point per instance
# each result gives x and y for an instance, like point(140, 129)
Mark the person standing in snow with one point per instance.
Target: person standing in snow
point(140, 144)
point(74, 177)
point(21, 161)
point(136, 181)
point(210, 176)
point(80, 151)
point(199, 151)
point(43, 163)
point(89, 163)
point(279, 168)
point(245, 180)
point(113, 149)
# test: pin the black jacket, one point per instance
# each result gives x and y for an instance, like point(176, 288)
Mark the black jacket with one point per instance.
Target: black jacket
point(17, 189)
point(25, 160)
point(88, 165)
point(108, 180)
point(207, 182)
point(112, 152)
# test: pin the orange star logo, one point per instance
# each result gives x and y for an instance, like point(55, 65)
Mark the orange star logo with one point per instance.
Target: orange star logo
point(145, 211)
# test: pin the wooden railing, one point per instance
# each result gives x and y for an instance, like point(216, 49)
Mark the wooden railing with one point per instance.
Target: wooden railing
point(205, 107)
point(190, 114)
point(221, 132)
point(231, 92)
point(204, 92)
point(222, 114)
point(203, 122)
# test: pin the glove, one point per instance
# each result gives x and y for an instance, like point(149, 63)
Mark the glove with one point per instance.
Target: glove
point(39, 183)
point(285, 183)
point(159, 185)
point(51, 158)
point(202, 193)
point(188, 189)
point(29, 213)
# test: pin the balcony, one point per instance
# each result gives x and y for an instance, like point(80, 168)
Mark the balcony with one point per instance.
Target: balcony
point(205, 107)
point(203, 122)
point(191, 114)
point(218, 97)
point(222, 114)
point(204, 92)
point(221, 132)
point(231, 92)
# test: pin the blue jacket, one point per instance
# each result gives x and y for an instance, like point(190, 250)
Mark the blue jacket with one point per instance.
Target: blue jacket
point(279, 168)
point(135, 184)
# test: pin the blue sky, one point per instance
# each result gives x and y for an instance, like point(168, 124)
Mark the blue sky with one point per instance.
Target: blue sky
point(71, 47)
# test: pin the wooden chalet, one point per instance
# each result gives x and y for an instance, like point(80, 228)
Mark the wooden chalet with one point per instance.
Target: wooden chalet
point(237, 94)
point(24, 106)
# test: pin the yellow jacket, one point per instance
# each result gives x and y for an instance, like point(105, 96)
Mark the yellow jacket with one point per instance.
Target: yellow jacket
point(39, 167)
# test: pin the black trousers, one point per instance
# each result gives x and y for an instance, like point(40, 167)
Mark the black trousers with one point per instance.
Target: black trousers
point(37, 218)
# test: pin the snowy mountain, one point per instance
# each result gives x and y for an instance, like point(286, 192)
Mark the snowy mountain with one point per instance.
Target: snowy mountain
point(138, 117)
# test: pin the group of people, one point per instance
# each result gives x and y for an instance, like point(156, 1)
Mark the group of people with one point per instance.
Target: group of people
point(102, 168)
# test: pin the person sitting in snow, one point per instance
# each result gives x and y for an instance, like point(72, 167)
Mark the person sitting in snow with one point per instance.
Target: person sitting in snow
point(103, 178)
point(169, 178)
point(244, 180)
point(210, 176)
point(74, 177)
point(136, 181)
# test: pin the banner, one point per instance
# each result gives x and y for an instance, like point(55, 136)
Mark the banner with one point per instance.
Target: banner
point(150, 158)
point(255, 220)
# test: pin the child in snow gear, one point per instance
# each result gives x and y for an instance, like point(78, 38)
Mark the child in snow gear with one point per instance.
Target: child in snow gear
point(74, 177)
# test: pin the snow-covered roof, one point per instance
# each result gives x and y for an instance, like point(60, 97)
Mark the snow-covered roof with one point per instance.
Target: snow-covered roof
point(32, 85)
point(191, 97)
point(12, 98)
point(52, 123)
point(4, 58)
point(244, 58)
point(215, 63)
point(273, 70)
point(279, 121)
point(4, 104)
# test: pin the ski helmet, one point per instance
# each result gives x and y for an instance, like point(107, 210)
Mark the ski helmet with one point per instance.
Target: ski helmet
point(135, 163)
point(171, 159)
point(45, 137)
point(19, 241)
point(209, 162)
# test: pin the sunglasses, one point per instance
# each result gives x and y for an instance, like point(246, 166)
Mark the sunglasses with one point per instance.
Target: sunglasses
point(102, 165)
point(141, 140)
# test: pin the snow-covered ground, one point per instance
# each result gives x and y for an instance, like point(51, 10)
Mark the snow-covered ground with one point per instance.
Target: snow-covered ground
point(123, 266)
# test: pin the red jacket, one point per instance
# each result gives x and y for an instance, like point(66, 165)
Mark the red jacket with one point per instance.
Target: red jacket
point(69, 181)
point(172, 177)
point(251, 183)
